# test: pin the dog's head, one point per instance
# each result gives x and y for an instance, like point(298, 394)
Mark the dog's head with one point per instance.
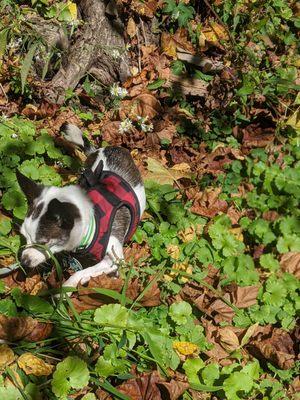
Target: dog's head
point(52, 216)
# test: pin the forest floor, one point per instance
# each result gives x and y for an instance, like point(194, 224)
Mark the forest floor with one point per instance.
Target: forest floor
point(206, 303)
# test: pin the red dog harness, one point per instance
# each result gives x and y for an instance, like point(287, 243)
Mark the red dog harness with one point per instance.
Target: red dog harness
point(108, 192)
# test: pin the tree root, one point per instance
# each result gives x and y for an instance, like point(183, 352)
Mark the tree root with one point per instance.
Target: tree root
point(98, 49)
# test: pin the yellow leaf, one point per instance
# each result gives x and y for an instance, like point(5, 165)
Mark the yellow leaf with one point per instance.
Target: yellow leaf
point(6, 355)
point(185, 348)
point(164, 175)
point(214, 33)
point(168, 45)
point(173, 251)
point(31, 364)
point(73, 10)
point(294, 120)
point(187, 234)
point(237, 232)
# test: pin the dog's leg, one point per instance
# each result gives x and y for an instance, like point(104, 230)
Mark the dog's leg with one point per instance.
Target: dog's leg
point(105, 266)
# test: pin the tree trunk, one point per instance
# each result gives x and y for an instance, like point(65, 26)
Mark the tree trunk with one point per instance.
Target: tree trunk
point(99, 47)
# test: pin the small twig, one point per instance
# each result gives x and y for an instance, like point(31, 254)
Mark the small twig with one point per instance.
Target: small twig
point(3, 91)
point(139, 50)
point(144, 33)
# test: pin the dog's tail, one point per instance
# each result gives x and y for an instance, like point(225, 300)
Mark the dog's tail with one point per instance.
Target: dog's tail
point(74, 135)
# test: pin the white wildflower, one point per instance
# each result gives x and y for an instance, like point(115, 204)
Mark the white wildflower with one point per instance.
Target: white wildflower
point(118, 91)
point(125, 126)
point(14, 136)
point(115, 54)
point(144, 124)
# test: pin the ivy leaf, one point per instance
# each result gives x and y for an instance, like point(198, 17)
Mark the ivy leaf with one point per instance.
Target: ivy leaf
point(72, 372)
point(179, 312)
point(237, 383)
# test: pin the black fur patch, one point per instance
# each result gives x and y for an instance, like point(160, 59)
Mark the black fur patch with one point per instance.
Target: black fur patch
point(119, 160)
point(57, 222)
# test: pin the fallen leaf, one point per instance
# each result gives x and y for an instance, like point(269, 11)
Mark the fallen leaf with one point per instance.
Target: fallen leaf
point(246, 296)
point(274, 345)
point(131, 27)
point(207, 203)
point(164, 175)
point(89, 299)
point(31, 364)
point(174, 251)
point(172, 390)
point(6, 356)
point(290, 262)
point(170, 43)
point(185, 348)
point(145, 8)
point(142, 387)
point(25, 328)
point(143, 105)
point(214, 33)
point(228, 339)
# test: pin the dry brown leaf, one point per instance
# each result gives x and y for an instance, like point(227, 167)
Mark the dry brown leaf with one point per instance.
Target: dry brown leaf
point(31, 364)
point(228, 339)
point(88, 299)
point(145, 8)
point(25, 328)
point(207, 203)
point(179, 41)
point(172, 390)
point(211, 332)
point(131, 28)
point(246, 296)
point(142, 387)
point(290, 262)
point(215, 32)
point(274, 345)
point(225, 313)
point(6, 356)
point(164, 175)
point(143, 105)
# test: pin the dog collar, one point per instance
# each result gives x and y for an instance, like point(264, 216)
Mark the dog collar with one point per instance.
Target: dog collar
point(89, 234)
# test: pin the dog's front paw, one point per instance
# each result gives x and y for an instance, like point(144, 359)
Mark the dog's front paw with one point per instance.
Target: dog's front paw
point(31, 258)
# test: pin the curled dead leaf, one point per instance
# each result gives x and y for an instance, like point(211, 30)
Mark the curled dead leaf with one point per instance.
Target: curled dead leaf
point(143, 105)
point(228, 339)
point(25, 328)
point(274, 345)
point(131, 27)
point(31, 364)
point(6, 356)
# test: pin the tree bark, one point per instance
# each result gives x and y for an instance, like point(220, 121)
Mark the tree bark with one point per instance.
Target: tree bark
point(94, 50)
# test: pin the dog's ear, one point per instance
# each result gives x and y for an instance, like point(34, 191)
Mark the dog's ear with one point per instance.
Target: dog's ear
point(63, 213)
point(30, 188)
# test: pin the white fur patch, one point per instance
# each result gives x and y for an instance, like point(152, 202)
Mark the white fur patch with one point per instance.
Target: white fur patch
point(34, 256)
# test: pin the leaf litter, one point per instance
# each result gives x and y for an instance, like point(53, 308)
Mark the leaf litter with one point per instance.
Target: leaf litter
point(214, 132)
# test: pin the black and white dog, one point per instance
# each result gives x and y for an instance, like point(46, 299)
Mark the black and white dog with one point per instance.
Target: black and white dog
point(95, 217)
